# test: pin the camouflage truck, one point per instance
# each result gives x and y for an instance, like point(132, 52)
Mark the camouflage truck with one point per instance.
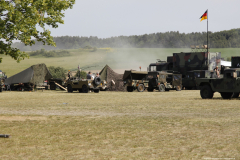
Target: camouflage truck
point(135, 80)
point(86, 85)
point(228, 86)
point(2, 80)
point(164, 81)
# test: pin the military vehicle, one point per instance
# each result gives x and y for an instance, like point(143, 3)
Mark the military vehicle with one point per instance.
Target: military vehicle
point(228, 86)
point(86, 85)
point(164, 81)
point(135, 80)
point(2, 80)
point(158, 80)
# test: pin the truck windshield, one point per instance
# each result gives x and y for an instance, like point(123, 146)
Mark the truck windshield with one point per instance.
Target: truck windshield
point(153, 68)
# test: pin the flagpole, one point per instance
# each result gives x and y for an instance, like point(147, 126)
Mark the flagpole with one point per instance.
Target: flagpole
point(207, 29)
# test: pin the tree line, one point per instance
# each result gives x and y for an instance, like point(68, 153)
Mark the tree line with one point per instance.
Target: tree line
point(173, 39)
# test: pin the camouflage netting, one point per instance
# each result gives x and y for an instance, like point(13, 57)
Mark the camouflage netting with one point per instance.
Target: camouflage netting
point(108, 75)
point(35, 74)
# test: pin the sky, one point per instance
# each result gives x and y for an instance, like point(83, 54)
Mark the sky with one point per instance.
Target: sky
point(110, 18)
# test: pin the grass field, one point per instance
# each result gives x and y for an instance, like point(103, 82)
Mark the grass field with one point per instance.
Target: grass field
point(118, 125)
point(118, 59)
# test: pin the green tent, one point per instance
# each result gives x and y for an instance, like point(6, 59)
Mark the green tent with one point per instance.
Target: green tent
point(35, 74)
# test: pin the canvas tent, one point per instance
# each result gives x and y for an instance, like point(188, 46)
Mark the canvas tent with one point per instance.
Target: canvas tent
point(35, 74)
point(108, 75)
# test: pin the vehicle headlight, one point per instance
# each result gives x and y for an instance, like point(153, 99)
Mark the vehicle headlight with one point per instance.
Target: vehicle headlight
point(89, 84)
point(104, 82)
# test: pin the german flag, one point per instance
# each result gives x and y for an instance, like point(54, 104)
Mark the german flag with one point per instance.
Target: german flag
point(204, 16)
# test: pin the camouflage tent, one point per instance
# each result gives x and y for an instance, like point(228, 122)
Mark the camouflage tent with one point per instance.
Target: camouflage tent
point(108, 75)
point(35, 74)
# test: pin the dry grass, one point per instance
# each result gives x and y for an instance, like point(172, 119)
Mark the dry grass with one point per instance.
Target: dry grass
point(118, 125)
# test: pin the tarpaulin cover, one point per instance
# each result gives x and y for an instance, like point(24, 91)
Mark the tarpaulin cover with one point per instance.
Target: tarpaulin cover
point(108, 75)
point(35, 74)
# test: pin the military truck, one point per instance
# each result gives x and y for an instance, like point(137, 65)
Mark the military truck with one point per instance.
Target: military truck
point(2, 80)
point(164, 81)
point(86, 85)
point(153, 80)
point(189, 64)
point(135, 80)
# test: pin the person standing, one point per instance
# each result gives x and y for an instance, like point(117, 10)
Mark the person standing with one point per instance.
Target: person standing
point(97, 74)
point(69, 74)
point(89, 75)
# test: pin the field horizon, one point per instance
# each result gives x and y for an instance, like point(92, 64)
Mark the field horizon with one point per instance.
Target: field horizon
point(119, 59)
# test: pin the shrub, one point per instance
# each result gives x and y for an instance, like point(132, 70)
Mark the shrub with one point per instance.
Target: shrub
point(57, 72)
point(81, 74)
point(52, 53)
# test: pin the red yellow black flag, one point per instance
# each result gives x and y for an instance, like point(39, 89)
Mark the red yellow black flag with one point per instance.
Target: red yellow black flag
point(204, 16)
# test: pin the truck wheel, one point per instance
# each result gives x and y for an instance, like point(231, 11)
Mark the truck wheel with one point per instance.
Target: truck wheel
point(69, 88)
point(235, 95)
point(161, 88)
point(129, 88)
point(85, 89)
point(0, 88)
point(226, 95)
point(140, 88)
point(96, 91)
point(206, 92)
point(97, 80)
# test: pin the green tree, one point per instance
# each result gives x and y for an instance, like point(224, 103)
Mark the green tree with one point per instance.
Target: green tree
point(57, 72)
point(19, 18)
